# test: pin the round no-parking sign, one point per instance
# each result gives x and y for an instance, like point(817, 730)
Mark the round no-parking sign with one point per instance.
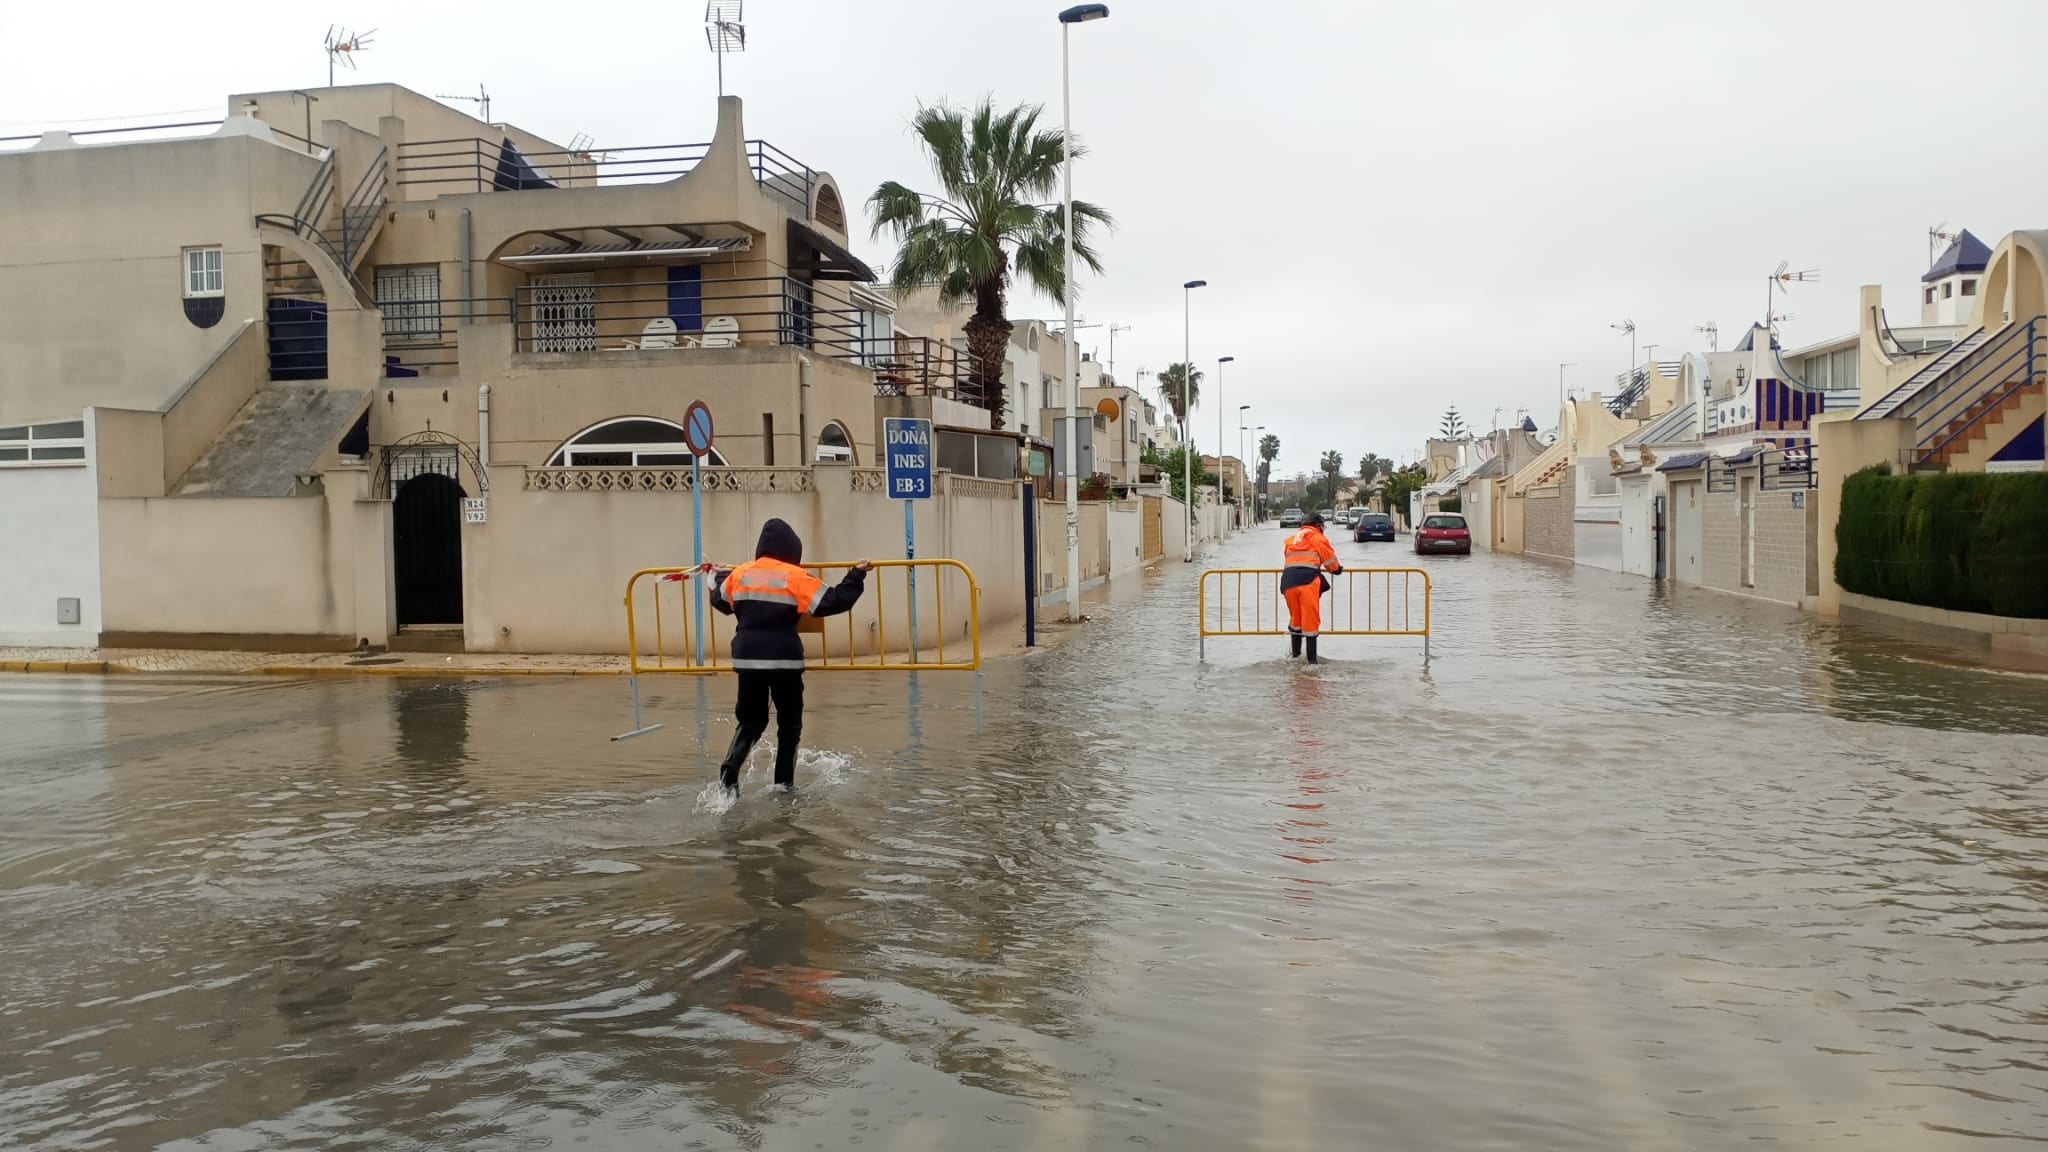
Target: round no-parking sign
point(697, 428)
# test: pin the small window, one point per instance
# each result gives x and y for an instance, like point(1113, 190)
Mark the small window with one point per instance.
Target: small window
point(1969, 287)
point(1930, 295)
point(1947, 290)
point(834, 447)
point(203, 275)
point(26, 445)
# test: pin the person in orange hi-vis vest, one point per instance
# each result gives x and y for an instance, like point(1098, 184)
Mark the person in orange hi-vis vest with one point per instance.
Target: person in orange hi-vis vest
point(768, 596)
point(1302, 584)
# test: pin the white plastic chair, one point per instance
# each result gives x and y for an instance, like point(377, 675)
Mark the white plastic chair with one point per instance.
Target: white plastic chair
point(659, 333)
point(720, 332)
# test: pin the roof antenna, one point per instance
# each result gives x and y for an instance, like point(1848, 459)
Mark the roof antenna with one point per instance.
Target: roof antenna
point(1937, 238)
point(1804, 276)
point(724, 33)
point(1713, 332)
point(342, 45)
point(482, 100)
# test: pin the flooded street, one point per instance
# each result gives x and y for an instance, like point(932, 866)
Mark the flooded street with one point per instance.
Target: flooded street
point(1620, 868)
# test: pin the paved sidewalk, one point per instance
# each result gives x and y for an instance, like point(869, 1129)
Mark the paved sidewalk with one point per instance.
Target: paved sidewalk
point(175, 660)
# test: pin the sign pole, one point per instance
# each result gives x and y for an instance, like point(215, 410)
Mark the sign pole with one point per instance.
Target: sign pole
point(697, 546)
point(697, 433)
point(910, 553)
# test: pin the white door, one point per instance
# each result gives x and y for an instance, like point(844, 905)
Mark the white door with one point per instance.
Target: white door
point(1685, 531)
point(564, 314)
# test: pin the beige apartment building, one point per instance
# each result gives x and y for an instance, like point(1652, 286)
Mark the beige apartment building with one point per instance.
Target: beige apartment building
point(353, 364)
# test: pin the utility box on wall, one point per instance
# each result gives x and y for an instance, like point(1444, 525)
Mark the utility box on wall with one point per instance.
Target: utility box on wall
point(1084, 430)
point(67, 610)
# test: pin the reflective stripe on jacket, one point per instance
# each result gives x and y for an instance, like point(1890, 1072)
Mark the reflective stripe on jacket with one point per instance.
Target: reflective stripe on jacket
point(767, 597)
point(1308, 554)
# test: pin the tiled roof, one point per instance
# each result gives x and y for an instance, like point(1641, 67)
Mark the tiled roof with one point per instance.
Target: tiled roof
point(1965, 253)
point(1684, 461)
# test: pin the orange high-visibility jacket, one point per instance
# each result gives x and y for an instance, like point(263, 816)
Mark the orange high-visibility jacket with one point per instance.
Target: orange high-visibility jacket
point(769, 594)
point(1309, 555)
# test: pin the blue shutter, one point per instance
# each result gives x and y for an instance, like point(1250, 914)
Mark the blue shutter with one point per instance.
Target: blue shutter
point(686, 297)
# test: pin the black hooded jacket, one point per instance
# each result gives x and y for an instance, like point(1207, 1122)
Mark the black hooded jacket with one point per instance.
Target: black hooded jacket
point(766, 635)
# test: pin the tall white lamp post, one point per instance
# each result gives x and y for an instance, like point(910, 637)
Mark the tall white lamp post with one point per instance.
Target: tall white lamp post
point(1078, 14)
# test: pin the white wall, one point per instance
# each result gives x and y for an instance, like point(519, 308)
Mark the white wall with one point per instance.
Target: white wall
point(49, 522)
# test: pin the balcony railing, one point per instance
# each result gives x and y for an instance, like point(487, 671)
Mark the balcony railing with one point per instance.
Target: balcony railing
point(475, 164)
point(420, 335)
point(681, 317)
point(920, 366)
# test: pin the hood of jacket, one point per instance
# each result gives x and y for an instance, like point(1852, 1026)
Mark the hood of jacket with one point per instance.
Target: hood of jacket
point(779, 542)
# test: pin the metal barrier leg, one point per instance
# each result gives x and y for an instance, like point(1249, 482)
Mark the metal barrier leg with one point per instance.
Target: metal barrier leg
point(977, 701)
point(639, 729)
point(703, 715)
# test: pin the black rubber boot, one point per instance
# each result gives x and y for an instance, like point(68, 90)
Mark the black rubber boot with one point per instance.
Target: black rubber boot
point(1311, 649)
point(1293, 644)
point(785, 763)
point(735, 757)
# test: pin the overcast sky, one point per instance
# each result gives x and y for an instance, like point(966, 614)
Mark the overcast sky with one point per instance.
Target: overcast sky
point(1398, 207)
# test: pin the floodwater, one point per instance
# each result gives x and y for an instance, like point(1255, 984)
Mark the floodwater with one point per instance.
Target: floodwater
point(1618, 869)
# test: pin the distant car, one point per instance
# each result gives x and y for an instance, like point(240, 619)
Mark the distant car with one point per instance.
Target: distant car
point(1372, 526)
point(1291, 518)
point(1329, 515)
point(1443, 532)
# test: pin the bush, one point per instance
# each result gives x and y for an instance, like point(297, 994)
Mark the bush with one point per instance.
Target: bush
point(1451, 503)
point(1962, 541)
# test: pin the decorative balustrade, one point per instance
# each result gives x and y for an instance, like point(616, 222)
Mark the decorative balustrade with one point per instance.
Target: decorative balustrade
point(719, 479)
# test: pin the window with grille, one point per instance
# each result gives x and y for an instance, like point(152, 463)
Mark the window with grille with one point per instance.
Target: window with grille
point(409, 295)
point(203, 272)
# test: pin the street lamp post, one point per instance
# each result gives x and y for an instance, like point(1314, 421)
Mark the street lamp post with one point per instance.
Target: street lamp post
point(1187, 372)
point(1220, 362)
point(1243, 469)
point(1079, 13)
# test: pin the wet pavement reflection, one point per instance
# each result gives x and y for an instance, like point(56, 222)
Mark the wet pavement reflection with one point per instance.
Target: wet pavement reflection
point(1620, 867)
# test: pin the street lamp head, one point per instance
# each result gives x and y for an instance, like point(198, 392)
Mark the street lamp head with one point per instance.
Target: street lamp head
point(1244, 407)
point(1225, 359)
point(1082, 13)
point(1196, 284)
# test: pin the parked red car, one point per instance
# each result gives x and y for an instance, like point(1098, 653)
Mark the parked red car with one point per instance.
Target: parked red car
point(1443, 532)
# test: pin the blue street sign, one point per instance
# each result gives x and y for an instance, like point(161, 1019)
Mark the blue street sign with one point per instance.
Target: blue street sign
point(907, 452)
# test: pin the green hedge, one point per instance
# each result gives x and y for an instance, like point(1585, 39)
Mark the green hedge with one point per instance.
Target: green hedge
point(1963, 541)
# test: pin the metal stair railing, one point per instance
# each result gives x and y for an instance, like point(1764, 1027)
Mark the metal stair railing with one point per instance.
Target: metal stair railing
point(361, 211)
point(1955, 354)
point(1988, 379)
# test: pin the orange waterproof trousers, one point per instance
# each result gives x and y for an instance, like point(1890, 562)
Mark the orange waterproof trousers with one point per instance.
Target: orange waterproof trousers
point(1305, 607)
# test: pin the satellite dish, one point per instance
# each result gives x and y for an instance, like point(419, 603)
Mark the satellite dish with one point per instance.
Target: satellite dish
point(1110, 408)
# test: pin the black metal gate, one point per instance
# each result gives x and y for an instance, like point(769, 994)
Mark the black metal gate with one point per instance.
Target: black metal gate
point(426, 530)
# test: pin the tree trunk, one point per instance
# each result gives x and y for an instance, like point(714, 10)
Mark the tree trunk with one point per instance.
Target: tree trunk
point(987, 337)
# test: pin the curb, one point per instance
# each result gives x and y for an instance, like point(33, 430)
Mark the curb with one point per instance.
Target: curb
point(114, 668)
point(101, 667)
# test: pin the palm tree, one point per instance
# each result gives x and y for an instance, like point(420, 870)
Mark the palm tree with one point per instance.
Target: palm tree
point(1333, 467)
point(1373, 465)
point(1170, 379)
point(998, 174)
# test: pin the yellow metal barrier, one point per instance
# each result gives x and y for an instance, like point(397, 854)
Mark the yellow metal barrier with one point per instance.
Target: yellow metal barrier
point(857, 641)
point(1360, 602)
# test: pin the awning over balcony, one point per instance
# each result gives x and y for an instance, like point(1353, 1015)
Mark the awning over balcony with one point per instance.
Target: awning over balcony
point(817, 255)
point(592, 248)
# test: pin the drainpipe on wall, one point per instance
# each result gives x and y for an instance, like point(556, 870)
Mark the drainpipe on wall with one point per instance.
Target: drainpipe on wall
point(466, 265)
point(803, 411)
point(483, 436)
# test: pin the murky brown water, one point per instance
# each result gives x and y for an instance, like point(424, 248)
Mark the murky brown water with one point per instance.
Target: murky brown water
point(1620, 870)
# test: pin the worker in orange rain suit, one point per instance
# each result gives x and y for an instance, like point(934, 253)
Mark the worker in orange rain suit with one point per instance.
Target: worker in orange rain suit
point(768, 596)
point(1302, 583)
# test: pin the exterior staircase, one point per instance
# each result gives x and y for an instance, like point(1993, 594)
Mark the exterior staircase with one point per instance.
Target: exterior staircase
point(1977, 423)
point(1954, 355)
point(282, 433)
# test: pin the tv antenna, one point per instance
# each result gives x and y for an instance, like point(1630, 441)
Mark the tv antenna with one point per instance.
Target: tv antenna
point(482, 100)
point(1781, 276)
point(343, 45)
point(724, 33)
point(1937, 237)
point(1713, 332)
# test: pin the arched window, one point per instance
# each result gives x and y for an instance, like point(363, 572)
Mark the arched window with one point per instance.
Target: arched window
point(829, 211)
point(834, 445)
point(629, 442)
